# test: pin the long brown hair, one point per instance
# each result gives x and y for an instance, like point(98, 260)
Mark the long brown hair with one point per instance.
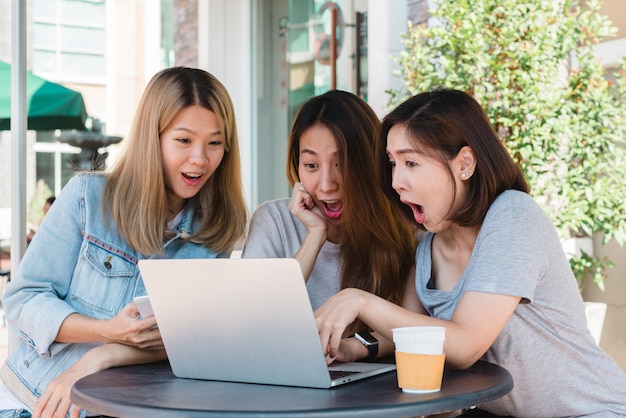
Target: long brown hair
point(135, 192)
point(441, 122)
point(377, 248)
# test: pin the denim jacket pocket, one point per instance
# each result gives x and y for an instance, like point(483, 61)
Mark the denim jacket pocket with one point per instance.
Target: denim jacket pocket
point(102, 279)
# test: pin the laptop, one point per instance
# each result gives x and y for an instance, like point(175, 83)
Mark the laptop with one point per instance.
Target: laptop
point(242, 320)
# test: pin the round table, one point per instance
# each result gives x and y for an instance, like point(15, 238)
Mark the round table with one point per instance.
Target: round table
point(153, 391)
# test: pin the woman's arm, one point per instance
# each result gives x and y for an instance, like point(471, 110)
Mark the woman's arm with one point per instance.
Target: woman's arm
point(308, 252)
point(36, 300)
point(124, 328)
point(55, 401)
point(303, 207)
point(33, 300)
point(274, 232)
point(478, 320)
point(352, 350)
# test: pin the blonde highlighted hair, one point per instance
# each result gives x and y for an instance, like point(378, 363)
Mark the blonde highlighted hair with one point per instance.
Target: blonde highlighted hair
point(135, 192)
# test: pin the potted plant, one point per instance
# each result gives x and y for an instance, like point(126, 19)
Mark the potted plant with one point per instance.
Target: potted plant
point(531, 64)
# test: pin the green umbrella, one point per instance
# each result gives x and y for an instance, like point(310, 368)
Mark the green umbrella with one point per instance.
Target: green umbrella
point(50, 105)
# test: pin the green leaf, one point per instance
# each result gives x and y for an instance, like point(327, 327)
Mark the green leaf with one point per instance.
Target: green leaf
point(564, 124)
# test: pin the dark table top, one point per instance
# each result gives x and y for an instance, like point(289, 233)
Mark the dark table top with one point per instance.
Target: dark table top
point(153, 391)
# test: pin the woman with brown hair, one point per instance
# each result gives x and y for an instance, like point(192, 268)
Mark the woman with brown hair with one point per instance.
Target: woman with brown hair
point(490, 269)
point(338, 223)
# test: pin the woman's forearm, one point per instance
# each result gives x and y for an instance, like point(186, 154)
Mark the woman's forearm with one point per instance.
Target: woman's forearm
point(77, 328)
point(308, 252)
point(114, 355)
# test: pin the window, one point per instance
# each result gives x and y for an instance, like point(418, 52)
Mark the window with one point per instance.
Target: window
point(54, 161)
point(69, 37)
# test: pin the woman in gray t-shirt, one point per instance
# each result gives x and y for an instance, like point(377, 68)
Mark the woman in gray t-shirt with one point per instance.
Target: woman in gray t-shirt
point(491, 268)
point(338, 223)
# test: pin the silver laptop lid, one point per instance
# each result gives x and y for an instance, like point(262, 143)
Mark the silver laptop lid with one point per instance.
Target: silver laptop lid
point(241, 320)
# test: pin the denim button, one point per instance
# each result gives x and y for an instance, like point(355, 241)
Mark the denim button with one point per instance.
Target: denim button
point(107, 264)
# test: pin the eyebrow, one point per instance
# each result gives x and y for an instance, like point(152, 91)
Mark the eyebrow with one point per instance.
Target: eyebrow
point(405, 151)
point(191, 131)
point(310, 151)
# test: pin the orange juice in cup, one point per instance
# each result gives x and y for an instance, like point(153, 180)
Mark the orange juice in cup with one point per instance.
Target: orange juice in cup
point(419, 358)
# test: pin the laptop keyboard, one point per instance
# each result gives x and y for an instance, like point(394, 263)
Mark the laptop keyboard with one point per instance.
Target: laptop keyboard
point(338, 374)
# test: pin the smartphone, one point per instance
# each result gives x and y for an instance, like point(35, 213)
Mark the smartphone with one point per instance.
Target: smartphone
point(143, 304)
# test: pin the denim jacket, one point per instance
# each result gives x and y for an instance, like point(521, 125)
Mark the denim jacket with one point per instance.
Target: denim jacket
point(76, 262)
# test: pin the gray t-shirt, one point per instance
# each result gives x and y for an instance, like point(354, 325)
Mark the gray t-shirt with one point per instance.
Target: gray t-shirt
point(558, 369)
point(275, 233)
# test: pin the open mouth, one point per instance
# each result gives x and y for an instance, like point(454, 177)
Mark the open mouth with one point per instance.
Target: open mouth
point(332, 208)
point(192, 178)
point(418, 213)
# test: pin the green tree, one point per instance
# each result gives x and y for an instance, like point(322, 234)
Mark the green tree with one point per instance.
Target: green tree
point(531, 64)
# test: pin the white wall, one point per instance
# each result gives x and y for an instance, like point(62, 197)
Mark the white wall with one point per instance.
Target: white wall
point(225, 51)
point(611, 52)
point(387, 20)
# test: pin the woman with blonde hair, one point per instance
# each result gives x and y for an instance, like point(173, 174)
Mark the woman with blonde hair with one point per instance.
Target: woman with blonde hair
point(175, 192)
point(338, 223)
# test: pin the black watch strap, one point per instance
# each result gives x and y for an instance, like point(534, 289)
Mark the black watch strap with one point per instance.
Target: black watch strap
point(370, 342)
